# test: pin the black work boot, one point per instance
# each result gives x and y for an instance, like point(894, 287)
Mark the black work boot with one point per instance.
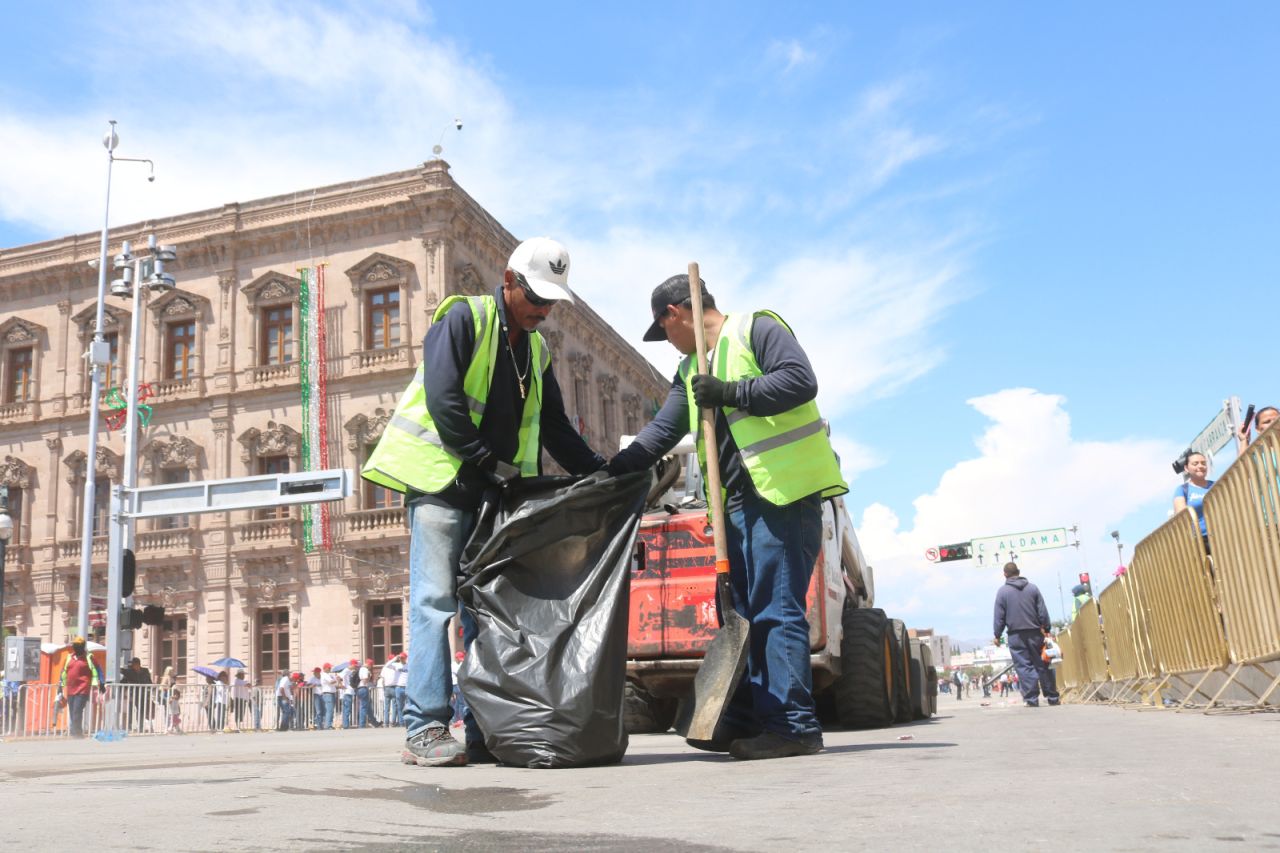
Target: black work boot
point(771, 745)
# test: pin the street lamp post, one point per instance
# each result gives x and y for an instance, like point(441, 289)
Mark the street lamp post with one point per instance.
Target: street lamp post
point(6, 532)
point(99, 357)
point(130, 284)
point(1115, 534)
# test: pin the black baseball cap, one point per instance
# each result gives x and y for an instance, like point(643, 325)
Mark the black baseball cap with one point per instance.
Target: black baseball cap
point(673, 291)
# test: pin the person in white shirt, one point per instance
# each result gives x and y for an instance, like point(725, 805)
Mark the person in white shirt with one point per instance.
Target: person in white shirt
point(284, 702)
point(328, 695)
point(402, 686)
point(387, 680)
point(364, 695)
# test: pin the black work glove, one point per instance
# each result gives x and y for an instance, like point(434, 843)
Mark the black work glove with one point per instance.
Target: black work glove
point(711, 393)
point(497, 471)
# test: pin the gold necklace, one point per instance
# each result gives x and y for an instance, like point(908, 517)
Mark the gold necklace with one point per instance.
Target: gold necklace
point(528, 362)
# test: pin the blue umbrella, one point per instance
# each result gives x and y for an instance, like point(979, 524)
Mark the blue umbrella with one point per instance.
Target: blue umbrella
point(232, 663)
point(205, 671)
point(339, 667)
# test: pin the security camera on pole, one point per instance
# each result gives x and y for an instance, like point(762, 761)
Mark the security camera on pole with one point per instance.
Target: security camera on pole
point(99, 356)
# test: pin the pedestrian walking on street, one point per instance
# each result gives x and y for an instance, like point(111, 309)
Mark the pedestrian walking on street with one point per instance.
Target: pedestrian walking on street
point(483, 406)
point(402, 688)
point(80, 676)
point(1021, 608)
point(314, 683)
point(776, 467)
point(364, 695)
point(957, 679)
point(350, 681)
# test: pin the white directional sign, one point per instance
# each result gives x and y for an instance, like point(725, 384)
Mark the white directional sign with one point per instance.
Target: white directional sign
point(1220, 430)
point(1034, 540)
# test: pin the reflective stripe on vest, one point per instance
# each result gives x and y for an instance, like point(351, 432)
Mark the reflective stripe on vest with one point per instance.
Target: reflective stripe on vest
point(411, 455)
point(788, 456)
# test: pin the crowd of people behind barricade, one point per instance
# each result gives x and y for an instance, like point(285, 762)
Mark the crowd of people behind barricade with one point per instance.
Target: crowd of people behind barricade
point(347, 696)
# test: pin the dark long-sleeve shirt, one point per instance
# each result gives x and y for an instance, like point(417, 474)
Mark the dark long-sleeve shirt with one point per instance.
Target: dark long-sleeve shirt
point(446, 355)
point(787, 381)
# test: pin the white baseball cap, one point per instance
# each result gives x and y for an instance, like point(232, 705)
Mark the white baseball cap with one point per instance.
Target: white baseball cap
point(544, 265)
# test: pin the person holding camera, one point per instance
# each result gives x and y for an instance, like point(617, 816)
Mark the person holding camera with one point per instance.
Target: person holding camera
point(1191, 493)
point(1266, 417)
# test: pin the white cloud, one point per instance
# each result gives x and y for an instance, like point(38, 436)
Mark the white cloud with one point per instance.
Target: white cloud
point(1030, 473)
point(790, 54)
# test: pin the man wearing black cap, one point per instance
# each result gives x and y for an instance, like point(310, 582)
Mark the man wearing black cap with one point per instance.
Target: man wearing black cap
point(480, 411)
point(776, 466)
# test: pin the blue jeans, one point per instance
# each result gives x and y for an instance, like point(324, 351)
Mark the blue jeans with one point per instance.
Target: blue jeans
point(284, 713)
point(1034, 674)
point(390, 713)
point(347, 700)
point(75, 713)
point(317, 701)
point(325, 711)
point(400, 700)
point(436, 537)
point(366, 706)
point(771, 554)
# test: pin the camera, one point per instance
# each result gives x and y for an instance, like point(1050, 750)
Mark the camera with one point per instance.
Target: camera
point(457, 122)
point(1180, 464)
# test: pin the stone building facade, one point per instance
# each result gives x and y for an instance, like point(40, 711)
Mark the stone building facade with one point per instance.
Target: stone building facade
point(221, 356)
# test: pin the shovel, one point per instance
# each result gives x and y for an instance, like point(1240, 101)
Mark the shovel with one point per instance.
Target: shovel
point(726, 657)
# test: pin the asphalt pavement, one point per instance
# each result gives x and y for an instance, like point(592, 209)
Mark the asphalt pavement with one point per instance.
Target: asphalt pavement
point(974, 778)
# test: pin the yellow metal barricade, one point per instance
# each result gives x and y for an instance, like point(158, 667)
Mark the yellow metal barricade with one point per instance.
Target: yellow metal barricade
point(1093, 659)
point(1134, 579)
point(1242, 511)
point(1070, 672)
point(1176, 596)
point(1121, 640)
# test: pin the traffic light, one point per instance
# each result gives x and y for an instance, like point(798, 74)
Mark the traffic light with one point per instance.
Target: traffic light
point(132, 618)
point(958, 551)
point(1084, 581)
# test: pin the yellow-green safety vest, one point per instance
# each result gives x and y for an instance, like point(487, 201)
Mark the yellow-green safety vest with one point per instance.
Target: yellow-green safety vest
point(411, 455)
point(788, 456)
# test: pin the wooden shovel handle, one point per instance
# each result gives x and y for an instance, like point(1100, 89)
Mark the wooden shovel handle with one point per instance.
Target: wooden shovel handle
point(715, 498)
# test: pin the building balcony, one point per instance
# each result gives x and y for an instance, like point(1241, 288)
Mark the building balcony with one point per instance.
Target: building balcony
point(165, 390)
point(384, 358)
point(70, 549)
point(377, 522)
point(178, 540)
point(271, 375)
point(270, 533)
point(23, 410)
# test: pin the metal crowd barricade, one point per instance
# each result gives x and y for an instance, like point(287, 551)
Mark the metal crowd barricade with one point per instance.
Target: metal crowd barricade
point(1177, 597)
point(1093, 655)
point(1242, 512)
point(1121, 639)
point(1244, 528)
point(1071, 673)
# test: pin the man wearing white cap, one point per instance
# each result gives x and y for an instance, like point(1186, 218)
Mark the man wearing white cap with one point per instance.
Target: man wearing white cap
point(483, 404)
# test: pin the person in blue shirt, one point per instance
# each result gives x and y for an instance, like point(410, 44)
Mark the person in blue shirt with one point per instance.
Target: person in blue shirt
point(1192, 492)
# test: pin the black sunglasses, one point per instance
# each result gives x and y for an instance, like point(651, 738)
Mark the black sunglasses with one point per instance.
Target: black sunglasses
point(534, 299)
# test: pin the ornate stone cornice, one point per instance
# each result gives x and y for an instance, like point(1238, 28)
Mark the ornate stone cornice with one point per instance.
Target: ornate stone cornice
point(271, 288)
point(18, 332)
point(108, 464)
point(363, 430)
point(275, 440)
point(15, 472)
point(379, 270)
point(171, 452)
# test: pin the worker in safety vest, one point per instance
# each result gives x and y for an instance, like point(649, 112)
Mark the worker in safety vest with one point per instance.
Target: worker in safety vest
point(776, 466)
point(481, 407)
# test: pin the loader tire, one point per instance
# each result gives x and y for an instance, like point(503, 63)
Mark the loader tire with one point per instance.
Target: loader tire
point(919, 689)
point(864, 691)
point(930, 681)
point(903, 712)
point(644, 713)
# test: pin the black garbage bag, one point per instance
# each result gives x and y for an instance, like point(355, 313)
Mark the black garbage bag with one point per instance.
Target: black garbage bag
point(546, 576)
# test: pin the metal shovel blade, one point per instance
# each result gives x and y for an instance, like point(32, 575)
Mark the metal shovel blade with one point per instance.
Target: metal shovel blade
point(721, 668)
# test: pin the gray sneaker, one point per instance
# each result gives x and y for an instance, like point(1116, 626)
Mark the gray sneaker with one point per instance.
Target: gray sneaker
point(434, 746)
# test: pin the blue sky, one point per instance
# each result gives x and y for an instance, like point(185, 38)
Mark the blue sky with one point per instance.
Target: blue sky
point(1030, 250)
